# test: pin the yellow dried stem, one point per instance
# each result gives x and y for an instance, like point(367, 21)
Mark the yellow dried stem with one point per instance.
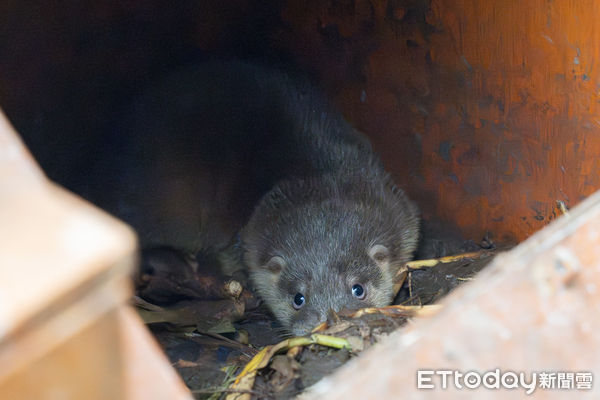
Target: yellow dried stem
point(418, 264)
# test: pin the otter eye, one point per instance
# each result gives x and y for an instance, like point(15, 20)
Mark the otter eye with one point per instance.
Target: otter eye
point(299, 301)
point(358, 291)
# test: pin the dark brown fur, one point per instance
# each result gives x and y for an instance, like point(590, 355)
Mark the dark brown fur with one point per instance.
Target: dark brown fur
point(209, 143)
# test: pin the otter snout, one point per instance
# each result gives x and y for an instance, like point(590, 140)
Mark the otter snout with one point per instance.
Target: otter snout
point(305, 325)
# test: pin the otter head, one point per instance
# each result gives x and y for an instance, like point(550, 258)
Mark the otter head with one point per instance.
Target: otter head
point(301, 292)
point(308, 258)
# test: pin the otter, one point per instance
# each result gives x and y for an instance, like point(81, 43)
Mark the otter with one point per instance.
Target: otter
point(328, 243)
point(322, 226)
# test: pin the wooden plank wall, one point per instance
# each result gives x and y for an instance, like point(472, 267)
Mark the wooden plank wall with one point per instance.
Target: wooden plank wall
point(485, 111)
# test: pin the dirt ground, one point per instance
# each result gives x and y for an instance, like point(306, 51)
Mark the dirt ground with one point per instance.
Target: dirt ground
point(210, 334)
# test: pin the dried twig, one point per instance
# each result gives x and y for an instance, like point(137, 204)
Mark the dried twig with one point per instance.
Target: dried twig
point(562, 207)
point(399, 310)
point(245, 380)
point(231, 342)
point(418, 264)
point(226, 390)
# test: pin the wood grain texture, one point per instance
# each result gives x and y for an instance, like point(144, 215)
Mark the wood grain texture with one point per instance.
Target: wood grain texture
point(485, 111)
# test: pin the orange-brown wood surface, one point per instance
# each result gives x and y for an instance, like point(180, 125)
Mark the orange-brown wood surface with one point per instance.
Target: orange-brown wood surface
point(65, 330)
point(485, 111)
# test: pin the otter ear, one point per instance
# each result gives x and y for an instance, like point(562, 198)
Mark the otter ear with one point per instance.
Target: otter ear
point(380, 254)
point(275, 265)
